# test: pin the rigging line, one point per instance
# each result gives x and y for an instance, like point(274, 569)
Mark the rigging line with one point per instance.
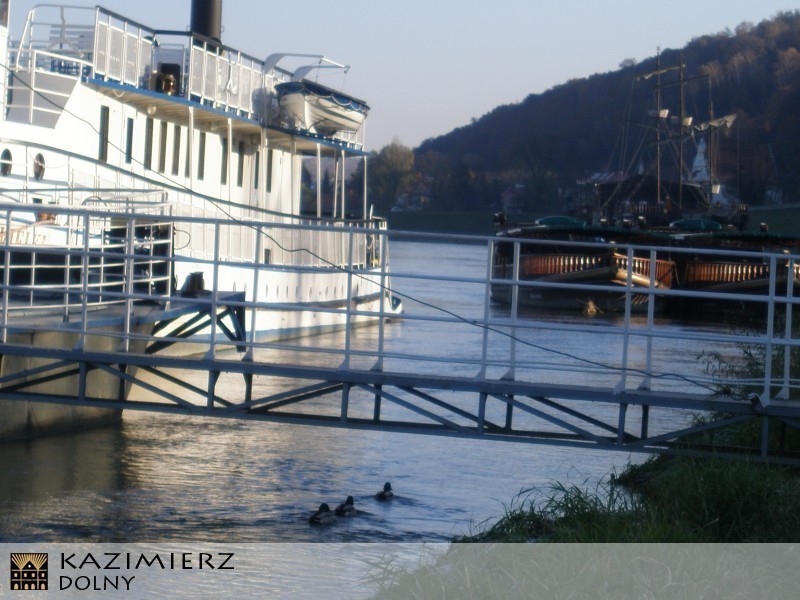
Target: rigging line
point(382, 286)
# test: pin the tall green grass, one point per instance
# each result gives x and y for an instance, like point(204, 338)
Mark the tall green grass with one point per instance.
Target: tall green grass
point(668, 499)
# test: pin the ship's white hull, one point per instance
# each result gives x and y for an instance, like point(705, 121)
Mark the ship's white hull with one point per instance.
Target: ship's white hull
point(21, 419)
point(120, 110)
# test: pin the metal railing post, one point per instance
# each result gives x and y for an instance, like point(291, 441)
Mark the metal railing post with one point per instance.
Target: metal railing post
point(212, 350)
point(84, 282)
point(627, 325)
point(6, 275)
point(787, 332)
point(486, 298)
point(380, 241)
point(651, 309)
point(254, 309)
point(514, 311)
point(350, 300)
point(767, 391)
point(129, 273)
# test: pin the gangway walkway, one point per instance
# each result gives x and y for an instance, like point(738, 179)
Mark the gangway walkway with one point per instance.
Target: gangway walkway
point(504, 381)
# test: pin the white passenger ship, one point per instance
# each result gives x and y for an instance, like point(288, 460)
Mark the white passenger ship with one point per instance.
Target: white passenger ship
point(204, 144)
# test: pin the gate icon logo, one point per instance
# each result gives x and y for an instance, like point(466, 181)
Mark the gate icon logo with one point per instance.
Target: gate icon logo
point(28, 571)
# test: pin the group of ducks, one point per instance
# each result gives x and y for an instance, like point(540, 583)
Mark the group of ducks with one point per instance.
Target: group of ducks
point(326, 516)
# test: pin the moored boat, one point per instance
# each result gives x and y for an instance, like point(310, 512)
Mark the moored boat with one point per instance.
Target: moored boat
point(696, 228)
point(579, 266)
point(732, 262)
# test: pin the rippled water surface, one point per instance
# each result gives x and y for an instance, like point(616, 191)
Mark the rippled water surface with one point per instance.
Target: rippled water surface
point(158, 477)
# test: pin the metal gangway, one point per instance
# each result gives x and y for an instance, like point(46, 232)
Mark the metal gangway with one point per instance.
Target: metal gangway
point(454, 363)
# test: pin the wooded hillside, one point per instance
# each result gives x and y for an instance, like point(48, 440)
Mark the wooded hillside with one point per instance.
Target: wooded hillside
point(540, 148)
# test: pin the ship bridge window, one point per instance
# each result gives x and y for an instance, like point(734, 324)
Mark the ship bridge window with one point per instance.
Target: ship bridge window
point(148, 144)
point(176, 150)
point(224, 170)
point(104, 117)
point(129, 143)
point(240, 168)
point(201, 157)
point(5, 162)
point(38, 167)
point(269, 171)
point(162, 147)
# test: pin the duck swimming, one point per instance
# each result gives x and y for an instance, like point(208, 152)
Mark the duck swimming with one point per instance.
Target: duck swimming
point(346, 508)
point(324, 516)
point(386, 493)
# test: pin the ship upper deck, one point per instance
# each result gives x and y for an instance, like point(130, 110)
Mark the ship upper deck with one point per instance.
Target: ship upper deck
point(167, 70)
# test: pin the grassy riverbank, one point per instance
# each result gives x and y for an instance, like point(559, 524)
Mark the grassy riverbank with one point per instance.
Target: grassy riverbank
point(674, 527)
point(666, 499)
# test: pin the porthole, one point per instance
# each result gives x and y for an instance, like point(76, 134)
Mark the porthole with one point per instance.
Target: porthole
point(5, 162)
point(38, 167)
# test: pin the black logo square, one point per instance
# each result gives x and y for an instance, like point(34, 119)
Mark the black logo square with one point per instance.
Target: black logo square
point(28, 571)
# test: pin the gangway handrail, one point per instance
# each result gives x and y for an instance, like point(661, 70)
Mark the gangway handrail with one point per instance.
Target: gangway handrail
point(508, 362)
point(491, 329)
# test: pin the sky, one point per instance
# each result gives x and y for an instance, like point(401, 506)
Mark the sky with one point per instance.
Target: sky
point(426, 67)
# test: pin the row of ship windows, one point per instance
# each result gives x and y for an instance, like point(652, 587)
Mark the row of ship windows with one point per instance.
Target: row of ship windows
point(7, 162)
point(277, 290)
point(147, 161)
point(6, 158)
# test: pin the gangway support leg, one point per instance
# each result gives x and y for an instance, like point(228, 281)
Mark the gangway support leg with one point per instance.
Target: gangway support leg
point(248, 387)
point(122, 385)
point(376, 412)
point(623, 410)
point(345, 402)
point(213, 377)
point(645, 420)
point(82, 381)
point(509, 414)
point(482, 411)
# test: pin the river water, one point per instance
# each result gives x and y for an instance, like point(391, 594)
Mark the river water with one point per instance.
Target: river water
point(157, 477)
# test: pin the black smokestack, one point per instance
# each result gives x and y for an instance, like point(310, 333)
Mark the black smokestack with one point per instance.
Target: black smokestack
point(207, 19)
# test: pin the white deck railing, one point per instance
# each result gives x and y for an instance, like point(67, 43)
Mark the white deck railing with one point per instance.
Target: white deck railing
point(88, 42)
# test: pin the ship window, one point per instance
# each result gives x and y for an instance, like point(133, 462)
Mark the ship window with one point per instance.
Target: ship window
point(256, 168)
point(269, 170)
point(148, 144)
point(104, 117)
point(201, 157)
point(224, 172)
point(240, 168)
point(187, 167)
point(129, 143)
point(5, 162)
point(162, 147)
point(176, 150)
point(38, 166)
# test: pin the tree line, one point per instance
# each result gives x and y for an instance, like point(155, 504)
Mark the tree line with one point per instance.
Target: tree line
point(540, 149)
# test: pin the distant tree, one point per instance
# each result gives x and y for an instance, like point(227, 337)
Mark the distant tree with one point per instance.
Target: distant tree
point(390, 174)
point(436, 174)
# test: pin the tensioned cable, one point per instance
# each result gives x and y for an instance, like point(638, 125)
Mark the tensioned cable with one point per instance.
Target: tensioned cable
point(471, 322)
